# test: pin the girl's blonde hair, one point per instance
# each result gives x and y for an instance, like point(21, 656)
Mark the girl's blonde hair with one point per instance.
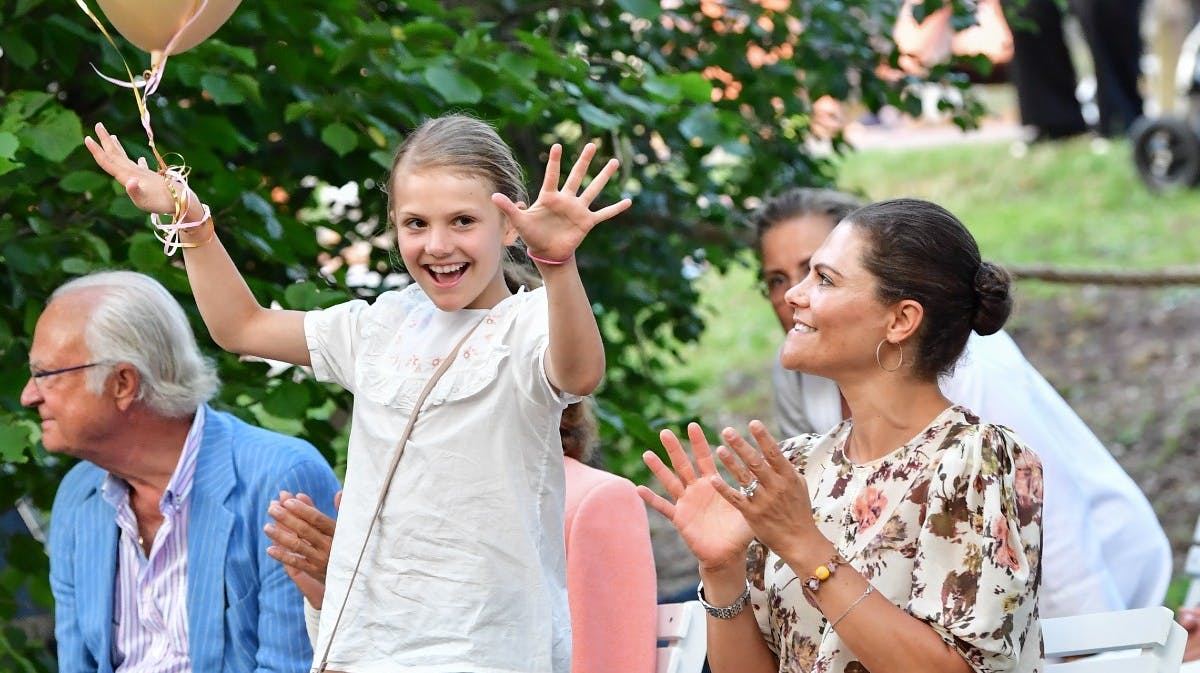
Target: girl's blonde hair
point(462, 144)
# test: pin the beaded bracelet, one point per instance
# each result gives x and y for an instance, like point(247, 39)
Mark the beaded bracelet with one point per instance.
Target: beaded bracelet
point(823, 572)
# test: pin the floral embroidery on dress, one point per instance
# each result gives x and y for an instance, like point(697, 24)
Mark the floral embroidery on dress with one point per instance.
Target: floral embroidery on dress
point(382, 382)
point(947, 527)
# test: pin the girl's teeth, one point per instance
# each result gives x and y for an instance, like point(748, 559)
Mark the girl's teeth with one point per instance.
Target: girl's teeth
point(445, 269)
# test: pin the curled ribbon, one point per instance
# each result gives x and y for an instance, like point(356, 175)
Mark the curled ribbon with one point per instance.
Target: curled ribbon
point(142, 88)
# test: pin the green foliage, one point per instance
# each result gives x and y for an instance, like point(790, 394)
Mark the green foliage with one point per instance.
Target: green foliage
point(287, 90)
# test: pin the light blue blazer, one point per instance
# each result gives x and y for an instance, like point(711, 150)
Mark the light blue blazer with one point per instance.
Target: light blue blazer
point(244, 614)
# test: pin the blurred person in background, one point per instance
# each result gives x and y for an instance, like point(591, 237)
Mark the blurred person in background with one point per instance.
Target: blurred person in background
point(1044, 74)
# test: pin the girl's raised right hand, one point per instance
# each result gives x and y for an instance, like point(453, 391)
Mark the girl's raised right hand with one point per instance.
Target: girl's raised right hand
point(712, 528)
point(560, 218)
point(146, 188)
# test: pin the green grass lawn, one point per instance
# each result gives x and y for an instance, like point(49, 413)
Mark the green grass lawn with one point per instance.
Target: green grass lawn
point(1061, 204)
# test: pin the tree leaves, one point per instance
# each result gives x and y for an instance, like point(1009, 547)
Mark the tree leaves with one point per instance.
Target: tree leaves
point(339, 138)
point(53, 134)
point(453, 86)
point(646, 9)
point(14, 441)
point(597, 117)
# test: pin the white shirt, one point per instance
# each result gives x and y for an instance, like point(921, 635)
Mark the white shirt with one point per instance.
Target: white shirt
point(465, 570)
point(150, 618)
point(1103, 547)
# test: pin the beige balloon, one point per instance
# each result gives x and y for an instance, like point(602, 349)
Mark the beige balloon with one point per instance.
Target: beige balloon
point(150, 24)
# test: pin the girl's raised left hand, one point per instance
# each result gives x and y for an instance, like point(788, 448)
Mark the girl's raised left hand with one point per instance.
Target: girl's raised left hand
point(774, 497)
point(555, 225)
point(146, 188)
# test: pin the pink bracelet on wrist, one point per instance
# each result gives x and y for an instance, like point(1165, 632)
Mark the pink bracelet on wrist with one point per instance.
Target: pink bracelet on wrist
point(551, 262)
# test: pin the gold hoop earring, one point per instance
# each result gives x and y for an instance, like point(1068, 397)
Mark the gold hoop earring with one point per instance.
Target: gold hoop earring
point(879, 360)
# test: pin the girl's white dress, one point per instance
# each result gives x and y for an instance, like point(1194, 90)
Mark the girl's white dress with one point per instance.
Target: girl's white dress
point(465, 570)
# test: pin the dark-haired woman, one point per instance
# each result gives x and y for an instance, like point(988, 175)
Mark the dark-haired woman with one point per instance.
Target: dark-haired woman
point(908, 537)
point(1103, 547)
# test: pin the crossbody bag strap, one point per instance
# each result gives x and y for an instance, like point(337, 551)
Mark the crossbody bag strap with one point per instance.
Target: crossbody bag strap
point(387, 483)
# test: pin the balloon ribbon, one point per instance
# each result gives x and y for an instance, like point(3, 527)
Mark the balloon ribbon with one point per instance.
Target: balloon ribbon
point(178, 173)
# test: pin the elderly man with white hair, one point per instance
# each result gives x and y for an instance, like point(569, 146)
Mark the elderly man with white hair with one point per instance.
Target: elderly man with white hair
point(157, 554)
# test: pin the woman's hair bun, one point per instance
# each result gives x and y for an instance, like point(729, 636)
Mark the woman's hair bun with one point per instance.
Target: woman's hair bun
point(993, 287)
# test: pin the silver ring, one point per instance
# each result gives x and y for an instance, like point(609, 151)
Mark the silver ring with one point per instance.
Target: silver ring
point(749, 489)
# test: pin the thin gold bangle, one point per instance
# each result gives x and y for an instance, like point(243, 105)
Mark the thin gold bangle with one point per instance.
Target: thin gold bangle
point(869, 590)
point(212, 233)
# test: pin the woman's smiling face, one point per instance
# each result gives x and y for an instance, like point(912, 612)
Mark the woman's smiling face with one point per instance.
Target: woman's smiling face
point(837, 317)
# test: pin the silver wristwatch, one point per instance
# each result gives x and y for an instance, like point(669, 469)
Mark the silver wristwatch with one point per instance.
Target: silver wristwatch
point(729, 611)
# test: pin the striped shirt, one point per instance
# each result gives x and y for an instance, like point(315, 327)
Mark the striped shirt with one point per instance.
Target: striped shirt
point(150, 620)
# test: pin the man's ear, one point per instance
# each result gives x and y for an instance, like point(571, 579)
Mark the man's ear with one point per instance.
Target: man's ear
point(124, 384)
point(906, 318)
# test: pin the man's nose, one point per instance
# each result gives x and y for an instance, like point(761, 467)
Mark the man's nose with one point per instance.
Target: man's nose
point(30, 395)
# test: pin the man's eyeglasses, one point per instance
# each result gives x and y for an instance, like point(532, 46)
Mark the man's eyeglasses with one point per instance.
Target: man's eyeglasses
point(38, 374)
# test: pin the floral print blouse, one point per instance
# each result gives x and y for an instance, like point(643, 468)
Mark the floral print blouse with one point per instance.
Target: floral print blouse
point(947, 527)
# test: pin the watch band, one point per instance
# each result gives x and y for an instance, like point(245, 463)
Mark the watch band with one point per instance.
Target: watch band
point(729, 611)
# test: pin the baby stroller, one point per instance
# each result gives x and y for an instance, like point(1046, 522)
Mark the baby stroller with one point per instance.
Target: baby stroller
point(1166, 150)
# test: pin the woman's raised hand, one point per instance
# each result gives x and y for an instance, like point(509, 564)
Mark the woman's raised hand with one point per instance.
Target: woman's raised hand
point(301, 538)
point(774, 499)
point(146, 188)
point(555, 225)
point(711, 526)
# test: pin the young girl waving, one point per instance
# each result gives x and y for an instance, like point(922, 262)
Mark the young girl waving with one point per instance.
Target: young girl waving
point(464, 569)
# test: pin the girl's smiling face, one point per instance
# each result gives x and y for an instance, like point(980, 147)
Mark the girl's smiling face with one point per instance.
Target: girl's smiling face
point(451, 236)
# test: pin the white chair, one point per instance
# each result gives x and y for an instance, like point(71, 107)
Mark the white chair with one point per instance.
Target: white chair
point(682, 638)
point(1192, 568)
point(1147, 640)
